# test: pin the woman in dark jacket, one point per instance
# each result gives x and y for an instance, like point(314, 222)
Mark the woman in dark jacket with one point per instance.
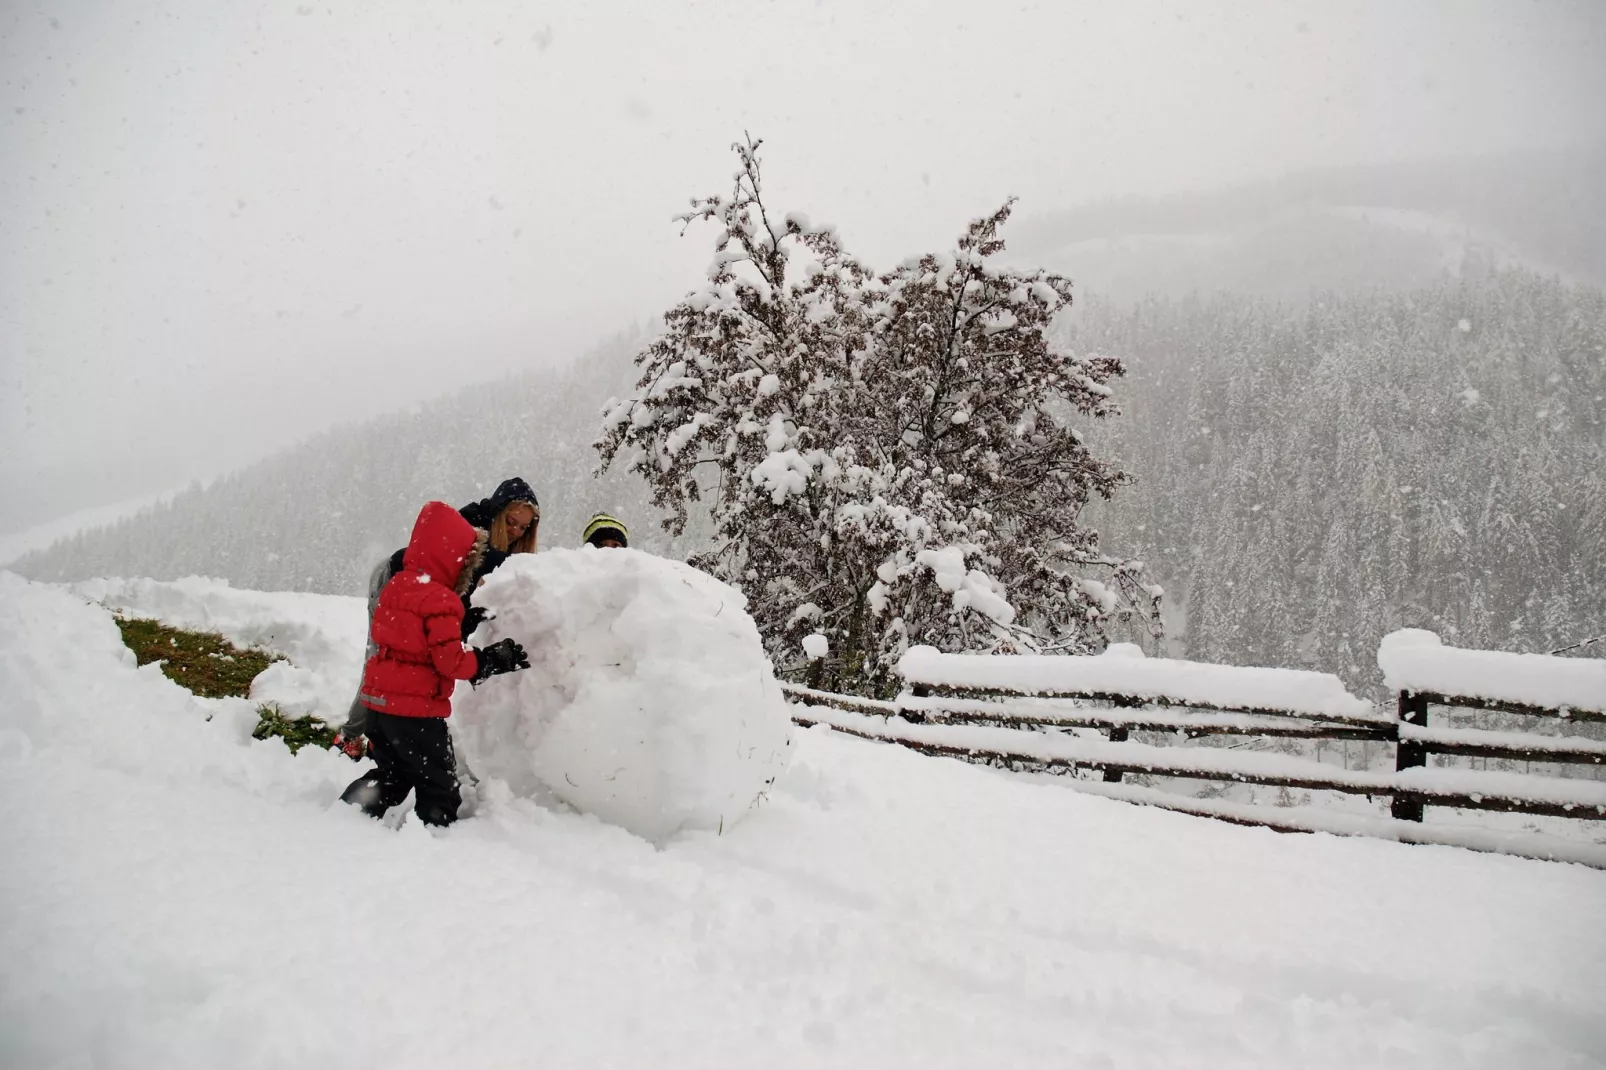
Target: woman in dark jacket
point(511, 517)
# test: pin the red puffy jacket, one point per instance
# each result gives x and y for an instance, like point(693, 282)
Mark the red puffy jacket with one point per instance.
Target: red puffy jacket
point(419, 618)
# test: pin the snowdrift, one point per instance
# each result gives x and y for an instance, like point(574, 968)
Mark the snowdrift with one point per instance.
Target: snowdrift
point(177, 894)
point(649, 701)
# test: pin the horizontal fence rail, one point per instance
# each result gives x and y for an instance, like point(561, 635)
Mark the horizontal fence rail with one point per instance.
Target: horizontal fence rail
point(1156, 701)
point(1060, 713)
point(1512, 746)
point(1021, 713)
point(1470, 702)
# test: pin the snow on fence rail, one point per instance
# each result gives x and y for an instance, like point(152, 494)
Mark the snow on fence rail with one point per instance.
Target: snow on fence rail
point(1123, 671)
point(1542, 685)
point(976, 708)
point(1514, 746)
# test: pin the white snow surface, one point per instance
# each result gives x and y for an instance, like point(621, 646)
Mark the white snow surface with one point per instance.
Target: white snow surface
point(176, 894)
point(1416, 660)
point(649, 701)
point(1117, 671)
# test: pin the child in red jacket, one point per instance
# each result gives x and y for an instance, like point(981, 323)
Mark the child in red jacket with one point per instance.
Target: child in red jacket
point(420, 656)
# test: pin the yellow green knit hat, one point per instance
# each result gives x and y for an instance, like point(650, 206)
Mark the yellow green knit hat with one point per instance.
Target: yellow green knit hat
point(602, 524)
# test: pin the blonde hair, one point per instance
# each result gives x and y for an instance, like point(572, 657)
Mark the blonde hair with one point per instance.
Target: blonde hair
point(526, 542)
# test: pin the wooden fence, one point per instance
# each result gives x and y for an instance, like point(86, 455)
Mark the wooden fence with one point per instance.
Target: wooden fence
point(1025, 713)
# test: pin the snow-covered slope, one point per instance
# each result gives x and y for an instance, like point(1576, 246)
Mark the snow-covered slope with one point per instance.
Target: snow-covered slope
point(175, 894)
point(317, 515)
point(15, 544)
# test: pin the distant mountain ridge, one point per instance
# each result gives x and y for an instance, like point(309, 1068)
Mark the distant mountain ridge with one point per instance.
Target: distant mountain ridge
point(1387, 227)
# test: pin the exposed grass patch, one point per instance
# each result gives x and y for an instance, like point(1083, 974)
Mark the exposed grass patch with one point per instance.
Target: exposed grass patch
point(297, 732)
point(212, 667)
point(205, 663)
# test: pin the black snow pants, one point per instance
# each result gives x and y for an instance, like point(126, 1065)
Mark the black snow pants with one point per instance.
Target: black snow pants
point(412, 754)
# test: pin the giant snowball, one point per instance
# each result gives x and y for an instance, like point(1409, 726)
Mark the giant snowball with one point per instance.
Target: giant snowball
point(648, 702)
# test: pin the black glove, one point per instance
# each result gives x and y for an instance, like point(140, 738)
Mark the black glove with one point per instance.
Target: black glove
point(498, 658)
point(473, 618)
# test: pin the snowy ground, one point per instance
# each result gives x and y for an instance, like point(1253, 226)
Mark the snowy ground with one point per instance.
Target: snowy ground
point(175, 894)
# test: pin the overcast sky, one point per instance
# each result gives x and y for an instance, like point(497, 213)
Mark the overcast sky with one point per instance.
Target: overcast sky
point(226, 225)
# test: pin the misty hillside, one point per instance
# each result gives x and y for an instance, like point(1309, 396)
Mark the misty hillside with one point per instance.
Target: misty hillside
point(1309, 480)
point(317, 516)
point(1392, 227)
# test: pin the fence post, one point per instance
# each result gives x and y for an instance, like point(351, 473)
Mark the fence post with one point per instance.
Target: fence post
point(1113, 776)
point(1119, 735)
point(915, 716)
point(1413, 710)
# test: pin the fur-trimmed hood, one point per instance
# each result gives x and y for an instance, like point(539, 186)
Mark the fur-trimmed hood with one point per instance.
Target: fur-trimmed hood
point(471, 563)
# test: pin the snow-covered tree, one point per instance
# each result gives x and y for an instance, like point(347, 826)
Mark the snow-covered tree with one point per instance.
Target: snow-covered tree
point(890, 457)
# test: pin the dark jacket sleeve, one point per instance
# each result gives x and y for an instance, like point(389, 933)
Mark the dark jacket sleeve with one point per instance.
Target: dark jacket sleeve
point(489, 562)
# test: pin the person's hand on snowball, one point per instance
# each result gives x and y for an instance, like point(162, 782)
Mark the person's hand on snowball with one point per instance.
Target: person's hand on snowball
point(500, 657)
point(475, 617)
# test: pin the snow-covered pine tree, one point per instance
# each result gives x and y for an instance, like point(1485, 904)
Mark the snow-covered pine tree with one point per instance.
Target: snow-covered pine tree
point(889, 456)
